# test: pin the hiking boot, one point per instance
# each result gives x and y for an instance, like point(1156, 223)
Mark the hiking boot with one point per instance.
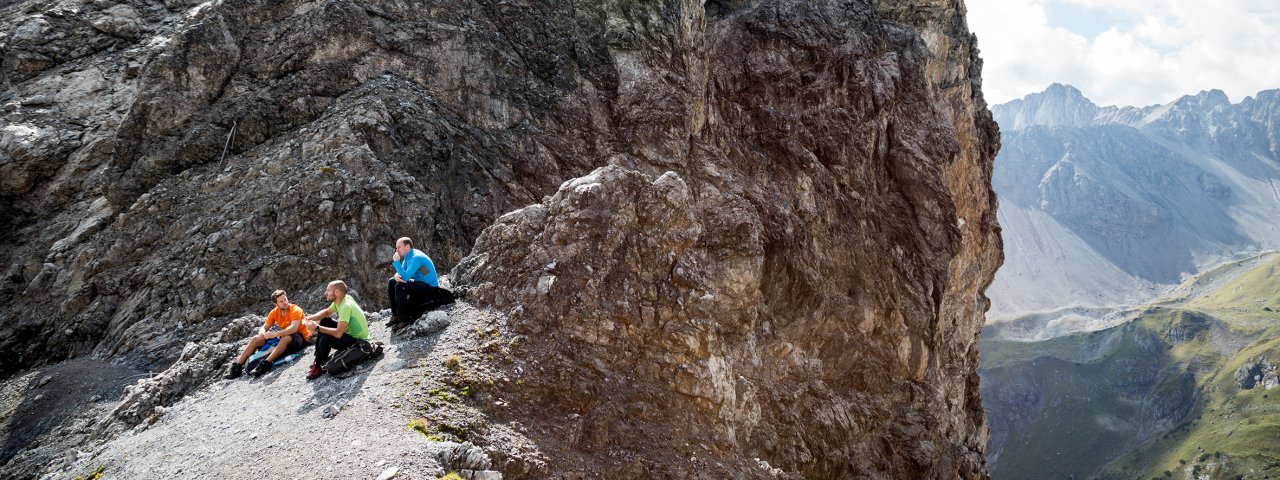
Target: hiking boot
point(262, 368)
point(394, 320)
point(398, 327)
point(315, 372)
point(236, 371)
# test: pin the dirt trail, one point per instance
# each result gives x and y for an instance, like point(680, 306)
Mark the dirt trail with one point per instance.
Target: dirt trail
point(282, 426)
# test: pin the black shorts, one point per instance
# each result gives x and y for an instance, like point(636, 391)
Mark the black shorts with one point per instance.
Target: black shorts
point(296, 343)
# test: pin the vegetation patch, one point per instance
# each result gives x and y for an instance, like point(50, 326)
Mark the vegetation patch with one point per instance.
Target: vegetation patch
point(94, 475)
point(1154, 398)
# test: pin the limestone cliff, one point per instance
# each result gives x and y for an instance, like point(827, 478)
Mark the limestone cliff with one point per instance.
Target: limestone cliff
point(772, 231)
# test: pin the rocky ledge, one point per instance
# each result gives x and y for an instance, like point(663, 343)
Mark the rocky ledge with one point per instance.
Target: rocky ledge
point(758, 231)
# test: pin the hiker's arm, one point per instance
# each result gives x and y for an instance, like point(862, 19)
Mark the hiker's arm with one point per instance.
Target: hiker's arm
point(334, 332)
point(321, 314)
point(293, 327)
point(411, 267)
point(402, 271)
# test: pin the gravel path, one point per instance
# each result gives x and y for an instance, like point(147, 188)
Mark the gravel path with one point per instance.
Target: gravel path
point(282, 426)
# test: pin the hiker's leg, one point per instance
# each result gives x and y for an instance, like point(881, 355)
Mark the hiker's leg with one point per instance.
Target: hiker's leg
point(404, 299)
point(297, 343)
point(324, 341)
point(391, 296)
point(328, 343)
point(280, 348)
point(416, 294)
point(253, 345)
point(340, 344)
point(436, 298)
point(323, 345)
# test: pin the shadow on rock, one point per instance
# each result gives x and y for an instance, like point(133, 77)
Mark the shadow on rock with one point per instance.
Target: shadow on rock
point(46, 406)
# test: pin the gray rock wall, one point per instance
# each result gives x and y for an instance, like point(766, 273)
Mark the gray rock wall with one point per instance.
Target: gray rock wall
point(798, 283)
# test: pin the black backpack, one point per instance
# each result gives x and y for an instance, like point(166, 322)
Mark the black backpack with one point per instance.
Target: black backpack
point(348, 358)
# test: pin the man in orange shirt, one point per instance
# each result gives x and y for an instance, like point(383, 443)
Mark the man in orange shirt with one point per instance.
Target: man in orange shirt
point(293, 335)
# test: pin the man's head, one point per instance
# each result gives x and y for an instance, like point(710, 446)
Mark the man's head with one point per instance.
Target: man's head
point(336, 289)
point(280, 299)
point(403, 245)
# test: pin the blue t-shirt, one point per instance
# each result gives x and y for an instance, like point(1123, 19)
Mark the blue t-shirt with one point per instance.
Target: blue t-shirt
point(417, 266)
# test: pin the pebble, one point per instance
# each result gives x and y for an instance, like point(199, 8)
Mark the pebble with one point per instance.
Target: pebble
point(388, 473)
point(44, 381)
point(331, 410)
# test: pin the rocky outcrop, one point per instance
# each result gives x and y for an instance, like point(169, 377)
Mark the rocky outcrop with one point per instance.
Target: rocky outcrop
point(1257, 372)
point(770, 241)
point(200, 364)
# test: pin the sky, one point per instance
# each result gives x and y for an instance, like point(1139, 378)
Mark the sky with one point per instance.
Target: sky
point(1127, 52)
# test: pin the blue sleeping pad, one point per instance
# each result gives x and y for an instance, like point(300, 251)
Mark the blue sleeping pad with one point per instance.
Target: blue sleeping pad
point(265, 350)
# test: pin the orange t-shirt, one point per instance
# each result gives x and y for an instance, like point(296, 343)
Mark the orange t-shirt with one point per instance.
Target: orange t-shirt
point(283, 320)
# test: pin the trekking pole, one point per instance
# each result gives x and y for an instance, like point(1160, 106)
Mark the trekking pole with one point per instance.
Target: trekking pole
point(230, 134)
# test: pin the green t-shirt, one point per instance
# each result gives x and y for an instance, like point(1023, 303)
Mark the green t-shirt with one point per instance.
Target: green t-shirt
point(350, 312)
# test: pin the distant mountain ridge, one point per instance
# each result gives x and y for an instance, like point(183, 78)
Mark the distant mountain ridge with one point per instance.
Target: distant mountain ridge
point(1110, 206)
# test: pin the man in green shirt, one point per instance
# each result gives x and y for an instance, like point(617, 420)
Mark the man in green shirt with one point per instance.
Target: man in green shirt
point(348, 330)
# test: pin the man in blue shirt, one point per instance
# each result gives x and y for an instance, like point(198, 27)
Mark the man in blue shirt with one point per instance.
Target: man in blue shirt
point(414, 289)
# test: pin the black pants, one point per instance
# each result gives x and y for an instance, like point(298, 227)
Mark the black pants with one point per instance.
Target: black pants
point(326, 343)
point(409, 300)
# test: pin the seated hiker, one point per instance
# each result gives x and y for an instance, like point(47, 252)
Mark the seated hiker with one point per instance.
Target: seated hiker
point(414, 290)
point(347, 331)
point(286, 318)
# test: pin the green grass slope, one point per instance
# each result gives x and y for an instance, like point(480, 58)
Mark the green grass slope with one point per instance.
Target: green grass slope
point(1155, 395)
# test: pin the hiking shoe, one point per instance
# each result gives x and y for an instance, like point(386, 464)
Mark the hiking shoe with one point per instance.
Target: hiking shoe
point(394, 320)
point(398, 327)
point(236, 371)
point(262, 368)
point(315, 372)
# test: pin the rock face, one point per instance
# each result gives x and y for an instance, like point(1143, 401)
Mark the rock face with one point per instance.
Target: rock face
point(772, 232)
point(765, 293)
point(1107, 207)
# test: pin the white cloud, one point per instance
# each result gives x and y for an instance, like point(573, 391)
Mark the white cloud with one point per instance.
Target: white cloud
point(1163, 49)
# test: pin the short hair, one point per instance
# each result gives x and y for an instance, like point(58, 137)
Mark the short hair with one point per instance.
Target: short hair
point(407, 241)
point(276, 294)
point(340, 285)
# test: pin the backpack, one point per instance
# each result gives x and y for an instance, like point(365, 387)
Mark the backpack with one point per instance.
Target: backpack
point(347, 359)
